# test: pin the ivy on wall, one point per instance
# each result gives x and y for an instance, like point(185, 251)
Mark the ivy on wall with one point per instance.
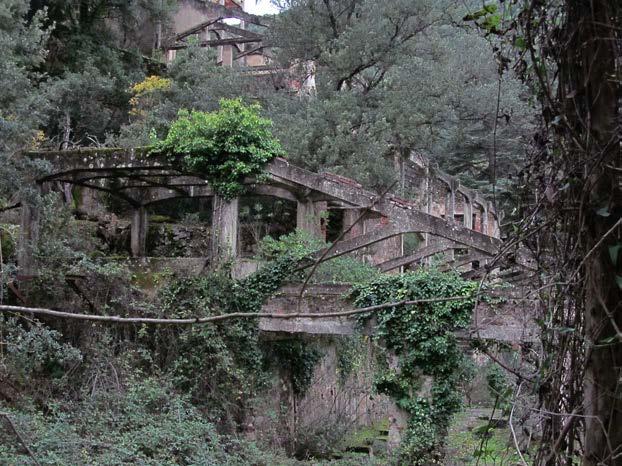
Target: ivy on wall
point(225, 366)
point(424, 380)
point(224, 147)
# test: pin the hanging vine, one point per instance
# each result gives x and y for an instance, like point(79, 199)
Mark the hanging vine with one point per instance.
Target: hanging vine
point(424, 382)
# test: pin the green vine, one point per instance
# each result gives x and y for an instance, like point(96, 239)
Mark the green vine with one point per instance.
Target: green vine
point(224, 366)
point(224, 147)
point(425, 381)
point(298, 359)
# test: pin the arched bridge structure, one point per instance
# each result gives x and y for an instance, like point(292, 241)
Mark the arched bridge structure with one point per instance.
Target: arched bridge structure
point(454, 224)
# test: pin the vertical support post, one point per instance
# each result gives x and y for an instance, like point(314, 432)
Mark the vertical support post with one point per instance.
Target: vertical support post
point(427, 199)
point(485, 219)
point(225, 220)
point(468, 212)
point(452, 202)
point(227, 56)
point(138, 232)
point(310, 217)
point(451, 213)
point(349, 217)
point(28, 237)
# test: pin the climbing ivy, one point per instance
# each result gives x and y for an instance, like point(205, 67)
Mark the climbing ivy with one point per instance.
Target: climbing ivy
point(224, 147)
point(298, 358)
point(424, 380)
point(224, 365)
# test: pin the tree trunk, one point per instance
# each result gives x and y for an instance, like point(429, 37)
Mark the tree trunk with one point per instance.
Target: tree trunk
point(66, 131)
point(592, 91)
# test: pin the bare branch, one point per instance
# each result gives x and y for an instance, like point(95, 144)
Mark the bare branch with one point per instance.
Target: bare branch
point(220, 317)
point(20, 438)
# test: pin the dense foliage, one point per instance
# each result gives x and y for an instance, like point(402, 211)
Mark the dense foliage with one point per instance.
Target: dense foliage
point(424, 378)
point(397, 77)
point(148, 422)
point(224, 146)
point(392, 79)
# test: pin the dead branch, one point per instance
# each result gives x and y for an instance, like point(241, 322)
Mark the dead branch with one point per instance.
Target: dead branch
point(220, 317)
point(11, 207)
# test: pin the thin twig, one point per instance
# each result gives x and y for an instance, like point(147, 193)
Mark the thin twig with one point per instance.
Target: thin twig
point(11, 207)
point(596, 246)
point(522, 458)
point(20, 438)
point(320, 259)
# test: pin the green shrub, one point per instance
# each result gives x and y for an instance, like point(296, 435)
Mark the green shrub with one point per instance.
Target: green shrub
point(148, 423)
point(225, 146)
point(302, 244)
point(35, 350)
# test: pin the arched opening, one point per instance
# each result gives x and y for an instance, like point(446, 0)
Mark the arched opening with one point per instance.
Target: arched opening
point(179, 227)
point(260, 216)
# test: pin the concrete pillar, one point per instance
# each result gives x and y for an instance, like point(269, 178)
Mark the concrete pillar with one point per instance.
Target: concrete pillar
point(485, 220)
point(427, 200)
point(28, 237)
point(468, 212)
point(311, 217)
point(349, 217)
point(138, 232)
point(450, 203)
point(227, 56)
point(225, 220)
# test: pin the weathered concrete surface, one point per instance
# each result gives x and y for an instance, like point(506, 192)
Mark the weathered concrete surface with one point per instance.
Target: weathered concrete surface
point(507, 321)
point(317, 299)
point(85, 167)
point(225, 220)
point(311, 217)
point(138, 232)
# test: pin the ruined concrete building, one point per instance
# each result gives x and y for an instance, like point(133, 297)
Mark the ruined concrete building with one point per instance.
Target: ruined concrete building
point(120, 196)
point(237, 36)
point(132, 203)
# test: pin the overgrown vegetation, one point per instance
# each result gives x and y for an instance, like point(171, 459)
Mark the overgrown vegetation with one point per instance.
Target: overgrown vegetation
point(302, 244)
point(213, 374)
point(424, 361)
point(224, 147)
point(456, 81)
point(144, 421)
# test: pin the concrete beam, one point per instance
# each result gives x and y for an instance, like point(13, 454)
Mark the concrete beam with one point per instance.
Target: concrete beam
point(154, 195)
point(463, 260)
point(274, 191)
point(506, 321)
point(298, 325)
point(420, 254)
point(399, 212)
